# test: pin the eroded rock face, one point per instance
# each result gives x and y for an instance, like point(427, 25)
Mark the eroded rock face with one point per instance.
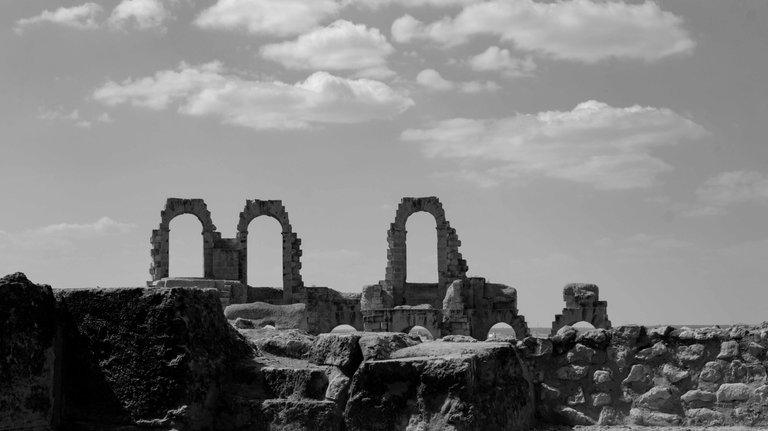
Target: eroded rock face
point(27, 329)
point(442, 386)
point(380, 345)
point(340, 350)
point(146, 356)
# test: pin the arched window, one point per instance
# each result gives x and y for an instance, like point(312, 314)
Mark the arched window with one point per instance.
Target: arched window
point(265, 253)
point(343, 329)
point(185, 247)
point(421, 248)
point(501, 330)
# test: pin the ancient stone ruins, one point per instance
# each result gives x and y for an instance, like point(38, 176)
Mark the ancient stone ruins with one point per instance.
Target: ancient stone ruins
point(165, 357)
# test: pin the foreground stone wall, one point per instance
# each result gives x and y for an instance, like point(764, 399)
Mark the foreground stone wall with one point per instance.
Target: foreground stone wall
point(659, 377)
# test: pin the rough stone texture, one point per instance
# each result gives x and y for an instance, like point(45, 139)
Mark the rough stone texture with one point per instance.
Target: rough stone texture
point(293, 316)
point(340, 350)
point(381, 345)
point(138, 356)
point(327, 308)
point(27, 354)
point(730, 392)
point(295, 382)
point(442, 386)
point(289, 343)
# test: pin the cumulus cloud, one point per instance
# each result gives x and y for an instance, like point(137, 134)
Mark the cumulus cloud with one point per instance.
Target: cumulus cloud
point(595, 144)
point(102, 226)
point(274, 17)
point(143, 14)
point(497, 59)
point(578, 30)
point(209, 90)
point(431, 79)
point(82, 17)
point(340, 46)
point(62, 235)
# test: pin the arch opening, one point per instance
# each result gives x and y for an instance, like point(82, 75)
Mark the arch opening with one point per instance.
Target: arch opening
point(420, 332)
point(265, 253)
point(185, 247)
point(501, 330)
point(343, 329)
point(582, 327)
point(421, 248)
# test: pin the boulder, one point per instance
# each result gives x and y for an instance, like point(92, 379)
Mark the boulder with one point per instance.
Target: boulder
point(711, 375)
point(602, 379)
point(639, 379)
point(595, 338)
point(704, 417)
point(697, 398)
point(338, 386)
point(610, 416)
point(571, 372)
point(690, 354)
point(733, 392)
point(728, 350)
point(27, 354)
point(571, 416)
point(656, 352)
point(380, 345)
point(137, 356)
point(580, 355)
point(341, 350)
point(659, 399)
point(674, 374)
point(289, 343)
point(293, 316)
point(435, 386)
point(458, 339)
point(600, 399)
point(640, 416)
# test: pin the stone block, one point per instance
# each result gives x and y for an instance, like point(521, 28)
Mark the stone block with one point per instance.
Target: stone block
point(733, 392)
point(690, 354)
point(571, 372)
point(600, 399)
point(580, 355)
point(340, 350)
point(698, 398)
point(728, 350)
point(674, 374)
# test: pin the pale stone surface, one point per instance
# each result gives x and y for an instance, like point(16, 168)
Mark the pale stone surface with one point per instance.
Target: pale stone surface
point(293, 316)
point(729, 392)
point(580, 355)
point(674, 374)
point(340, 350)
point(728, 350)
point(600, 399)
point(705, 416)
point(573, 416)
point(641, 416)
point(657, 351)
point(697, 397)
point(602, 379)
point(658, 398)
point(640, 377)
point(380, 345)
point(692, 353)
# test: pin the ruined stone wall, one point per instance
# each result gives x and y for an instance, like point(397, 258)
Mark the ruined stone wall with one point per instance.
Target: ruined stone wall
point(660, 377)
point(450, 263)
point(582, 304)
point(327, 309)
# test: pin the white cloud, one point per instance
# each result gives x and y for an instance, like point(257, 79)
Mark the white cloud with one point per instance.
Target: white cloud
point(144, 14)
point(497, 59)
point(102, 226)
point(209, 90)
point(339, 46)
point(579, 30)
point(432, 80)
point(275, 17)
point(378, 4)
point(736, 187)
point(81, 17)
point(58, 115)
point(594, 144)
point(62, 235)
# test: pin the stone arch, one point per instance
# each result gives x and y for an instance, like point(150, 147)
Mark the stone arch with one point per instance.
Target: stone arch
point(293, 286)
point(582, 303)
point(450, 263)
point(173, 208)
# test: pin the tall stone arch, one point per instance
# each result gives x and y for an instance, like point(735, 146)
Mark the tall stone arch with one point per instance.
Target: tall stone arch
point(293, 286)
point(175, 207)
point(451, 265)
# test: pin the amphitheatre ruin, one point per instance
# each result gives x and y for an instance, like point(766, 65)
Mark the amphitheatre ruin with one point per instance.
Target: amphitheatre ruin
point(214, 353)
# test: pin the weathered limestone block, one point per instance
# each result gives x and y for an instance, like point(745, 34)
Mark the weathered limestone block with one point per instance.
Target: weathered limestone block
point(610, 416)
point(661, 332)
point(338, 386)
point(380, 345)
point(690, 354)
point(656, 352)
point(376, 297)
point(146, 355)
point(293, 316)
point(640, 416)
point(704, 417)
point(728, 350)
point(341, 350)
point(295, 382)
point(639, 379)
point(598, 338)
point(762, 393)
point(737, 372)
point(756, 350)
point(442, 386)
point(572, 416)
point(696, 398)
point(572, 372)
point(458, 339)
point(658, 398)
point(674, 374)
point(711, 376)
point(289, 343)
point(27, 354)
point(630, 333)
point(580, 354)
point(603, 379)
point(732, 392)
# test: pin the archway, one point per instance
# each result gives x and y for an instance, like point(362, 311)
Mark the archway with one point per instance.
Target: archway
point(185, 247)
point(343, 329)
point(420, 332)
point(501, 330)
point(421, 249)
point(265, 253)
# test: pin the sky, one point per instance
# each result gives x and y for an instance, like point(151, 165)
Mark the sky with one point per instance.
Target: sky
point(615, 143)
